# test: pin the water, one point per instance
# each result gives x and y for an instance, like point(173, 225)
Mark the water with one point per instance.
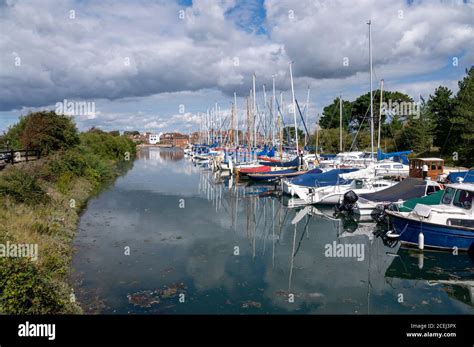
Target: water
point(168, 231)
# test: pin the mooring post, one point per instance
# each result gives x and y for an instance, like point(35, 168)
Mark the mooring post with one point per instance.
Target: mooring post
point(12, 154)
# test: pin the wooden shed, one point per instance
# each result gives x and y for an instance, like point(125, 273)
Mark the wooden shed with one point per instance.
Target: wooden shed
point(435, 167)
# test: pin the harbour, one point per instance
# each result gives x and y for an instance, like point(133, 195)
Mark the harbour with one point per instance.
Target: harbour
point(232, 248)
point(173, 169)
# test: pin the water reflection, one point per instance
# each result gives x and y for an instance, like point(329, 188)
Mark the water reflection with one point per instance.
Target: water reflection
point(160, 154)
point(231, 247)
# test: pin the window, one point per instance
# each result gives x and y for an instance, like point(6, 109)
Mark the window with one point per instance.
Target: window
point(433, 166)
point(430, 190)
point(461, 222)
point(397, 166)
point(463, 199)
point(448, 196)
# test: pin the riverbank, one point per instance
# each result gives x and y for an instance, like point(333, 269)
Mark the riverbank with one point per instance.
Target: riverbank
point(40, 205)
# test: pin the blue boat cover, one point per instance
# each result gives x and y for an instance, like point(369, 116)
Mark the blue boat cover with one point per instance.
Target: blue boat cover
point(409, 188)
point(468, 176)
point(264, 151)
point(271, 153)
point(322, 179)
point(294, 162)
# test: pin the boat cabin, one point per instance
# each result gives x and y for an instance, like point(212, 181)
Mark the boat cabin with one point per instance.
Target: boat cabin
point(459, 195)
point(435, 167)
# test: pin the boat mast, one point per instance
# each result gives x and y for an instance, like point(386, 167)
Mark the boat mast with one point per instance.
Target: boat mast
point(317, 135)
point(380, 113)
point(371, 96)
point(280, 129)
point(273, 111)
point(340, 123)
point(306, 117)
point(254, 114)
point(294, 109)
point(231, 133)
point(236, 140)
point(265, 130)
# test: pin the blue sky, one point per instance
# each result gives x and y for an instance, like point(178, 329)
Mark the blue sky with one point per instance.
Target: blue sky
point(142, 62)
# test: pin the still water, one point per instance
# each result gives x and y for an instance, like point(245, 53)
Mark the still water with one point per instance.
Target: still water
point(172, 238)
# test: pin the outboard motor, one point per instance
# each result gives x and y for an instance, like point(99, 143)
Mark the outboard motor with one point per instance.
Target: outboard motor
point(378, 214)
point(348, 203)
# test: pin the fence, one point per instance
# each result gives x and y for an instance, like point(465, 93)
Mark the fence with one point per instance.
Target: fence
point(15, 156)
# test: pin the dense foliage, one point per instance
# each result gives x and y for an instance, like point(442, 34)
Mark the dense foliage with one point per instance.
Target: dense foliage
point(35, 206)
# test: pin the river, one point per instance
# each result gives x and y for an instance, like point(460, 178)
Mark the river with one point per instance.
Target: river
point(172, 238)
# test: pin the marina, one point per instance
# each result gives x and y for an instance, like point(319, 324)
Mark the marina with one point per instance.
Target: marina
point(235, 247)
point(205, 166)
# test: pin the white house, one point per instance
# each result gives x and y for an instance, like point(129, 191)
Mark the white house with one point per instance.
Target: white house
point(153, 139)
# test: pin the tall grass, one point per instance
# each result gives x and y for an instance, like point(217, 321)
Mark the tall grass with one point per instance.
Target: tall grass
point(35, 207)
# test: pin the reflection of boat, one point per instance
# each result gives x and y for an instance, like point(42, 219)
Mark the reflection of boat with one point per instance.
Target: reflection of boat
point(449, 225)
point(454, 272)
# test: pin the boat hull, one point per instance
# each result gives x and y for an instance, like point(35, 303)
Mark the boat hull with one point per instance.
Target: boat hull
point(435, 235)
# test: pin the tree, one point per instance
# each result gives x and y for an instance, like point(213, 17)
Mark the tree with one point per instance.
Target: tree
point(331, 117)
point(11, 138)
point(361, 108)
point(289, 134)
point(417, 134)
point(329, 140)
point(463, 119)
point(440, 105)
point(114, 133)
point(131, 133)
point(48, 132)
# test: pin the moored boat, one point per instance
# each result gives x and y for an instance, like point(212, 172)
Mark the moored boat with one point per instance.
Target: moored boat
point(449, 225)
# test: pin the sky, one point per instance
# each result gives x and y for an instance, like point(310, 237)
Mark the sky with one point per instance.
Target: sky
point(157, 65)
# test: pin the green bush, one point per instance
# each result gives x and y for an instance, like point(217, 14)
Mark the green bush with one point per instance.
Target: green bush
point(25, 289)
point(65, 182)
point(22, 187)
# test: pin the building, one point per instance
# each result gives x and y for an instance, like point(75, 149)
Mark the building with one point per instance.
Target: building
point(174, 139)
point(153, 139)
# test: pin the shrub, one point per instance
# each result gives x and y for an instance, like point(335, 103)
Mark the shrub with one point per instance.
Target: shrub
point(49, 132)
point(22, 187)
point(65, 182)
point(25, 289)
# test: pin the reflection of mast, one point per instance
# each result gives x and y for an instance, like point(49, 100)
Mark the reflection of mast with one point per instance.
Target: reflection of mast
point(273, 233)
point(292, 259)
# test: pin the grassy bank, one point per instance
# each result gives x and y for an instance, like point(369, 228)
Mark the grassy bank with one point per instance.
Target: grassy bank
point(40, 203)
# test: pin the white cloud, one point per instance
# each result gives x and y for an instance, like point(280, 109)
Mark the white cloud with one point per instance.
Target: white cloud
point(141, 52)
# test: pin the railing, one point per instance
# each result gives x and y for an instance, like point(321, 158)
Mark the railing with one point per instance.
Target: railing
point(15, 156)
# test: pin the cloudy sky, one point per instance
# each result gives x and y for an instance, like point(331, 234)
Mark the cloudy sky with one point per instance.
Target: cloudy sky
point(156, 65)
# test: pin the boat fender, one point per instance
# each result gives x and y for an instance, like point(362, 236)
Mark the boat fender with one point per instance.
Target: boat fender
point(421, 241)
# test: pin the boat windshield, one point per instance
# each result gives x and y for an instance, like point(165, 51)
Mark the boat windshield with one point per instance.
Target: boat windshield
point(448, 196)
point(463, 199)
